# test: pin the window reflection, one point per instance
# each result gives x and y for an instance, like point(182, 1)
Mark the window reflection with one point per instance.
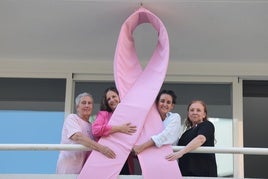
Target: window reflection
point(223, 136)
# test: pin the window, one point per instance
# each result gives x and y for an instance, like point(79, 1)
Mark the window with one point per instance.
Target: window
point(31, 111)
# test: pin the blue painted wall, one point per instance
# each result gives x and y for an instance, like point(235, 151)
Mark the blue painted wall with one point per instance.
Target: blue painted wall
point(29, 127)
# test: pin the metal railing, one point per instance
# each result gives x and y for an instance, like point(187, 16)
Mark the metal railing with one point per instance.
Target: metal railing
point(233, 150)
point(75, 147)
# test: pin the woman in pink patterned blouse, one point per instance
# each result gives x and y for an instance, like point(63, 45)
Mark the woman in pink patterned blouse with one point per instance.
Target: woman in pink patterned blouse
point(77, 130)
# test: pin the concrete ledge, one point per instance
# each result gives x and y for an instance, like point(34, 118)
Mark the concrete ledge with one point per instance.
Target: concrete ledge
point(74, 176)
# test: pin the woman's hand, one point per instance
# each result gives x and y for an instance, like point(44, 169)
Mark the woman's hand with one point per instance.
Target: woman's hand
point(107, 152)
point(86, 141)
point(174, 156)
point(137, 149)
point(128, 128)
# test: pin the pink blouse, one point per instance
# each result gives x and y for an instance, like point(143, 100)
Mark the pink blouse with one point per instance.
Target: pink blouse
point(71, 162)
point(100, 126)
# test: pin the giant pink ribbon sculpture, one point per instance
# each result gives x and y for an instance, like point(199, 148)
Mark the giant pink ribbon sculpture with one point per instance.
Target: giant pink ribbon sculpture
point(138, 89)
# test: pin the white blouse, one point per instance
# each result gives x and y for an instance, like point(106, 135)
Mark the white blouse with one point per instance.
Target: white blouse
point(171, 132)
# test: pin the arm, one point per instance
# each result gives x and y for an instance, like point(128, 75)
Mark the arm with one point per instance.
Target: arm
point(101, 127)
point(126, 128)
point(81, 139)
point(195, 143)
point(171, 132)
point(169, 135)
point(139, 148)
point(74, 134)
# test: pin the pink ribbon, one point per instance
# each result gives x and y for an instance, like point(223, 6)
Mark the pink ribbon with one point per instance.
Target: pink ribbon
point(138, 89)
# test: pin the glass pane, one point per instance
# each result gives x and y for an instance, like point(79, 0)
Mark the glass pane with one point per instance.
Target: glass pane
point(32, 94)
point(255, 99)
point(223, 135)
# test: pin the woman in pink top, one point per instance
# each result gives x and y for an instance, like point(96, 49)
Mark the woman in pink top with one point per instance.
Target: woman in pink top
point(77, 130)
point(100, 126)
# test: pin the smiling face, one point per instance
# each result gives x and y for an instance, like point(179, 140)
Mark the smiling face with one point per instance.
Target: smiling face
point(85, 107)
point(196, 113)
point(112, 99)
point(164, 105)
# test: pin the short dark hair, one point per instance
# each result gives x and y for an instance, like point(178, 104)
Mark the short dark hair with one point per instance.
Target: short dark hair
point(169, 92)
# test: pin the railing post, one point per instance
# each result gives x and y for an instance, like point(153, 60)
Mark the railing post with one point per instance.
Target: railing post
point(238, 127)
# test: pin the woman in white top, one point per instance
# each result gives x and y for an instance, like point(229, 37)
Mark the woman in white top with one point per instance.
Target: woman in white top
point(77, 130)
point(165, 102)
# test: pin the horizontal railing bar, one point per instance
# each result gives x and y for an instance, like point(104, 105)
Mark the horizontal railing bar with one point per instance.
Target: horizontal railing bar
point(226, 150)
point(75, 147)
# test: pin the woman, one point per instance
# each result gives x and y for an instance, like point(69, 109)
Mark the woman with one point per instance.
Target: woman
point(200, 132)
point(165, 102)
point(101, 127)
point(77, 130)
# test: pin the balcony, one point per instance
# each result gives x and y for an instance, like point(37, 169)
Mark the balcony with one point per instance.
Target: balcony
point(238, 151)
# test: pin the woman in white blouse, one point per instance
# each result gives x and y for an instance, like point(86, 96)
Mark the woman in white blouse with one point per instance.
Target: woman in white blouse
point(165, 102)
